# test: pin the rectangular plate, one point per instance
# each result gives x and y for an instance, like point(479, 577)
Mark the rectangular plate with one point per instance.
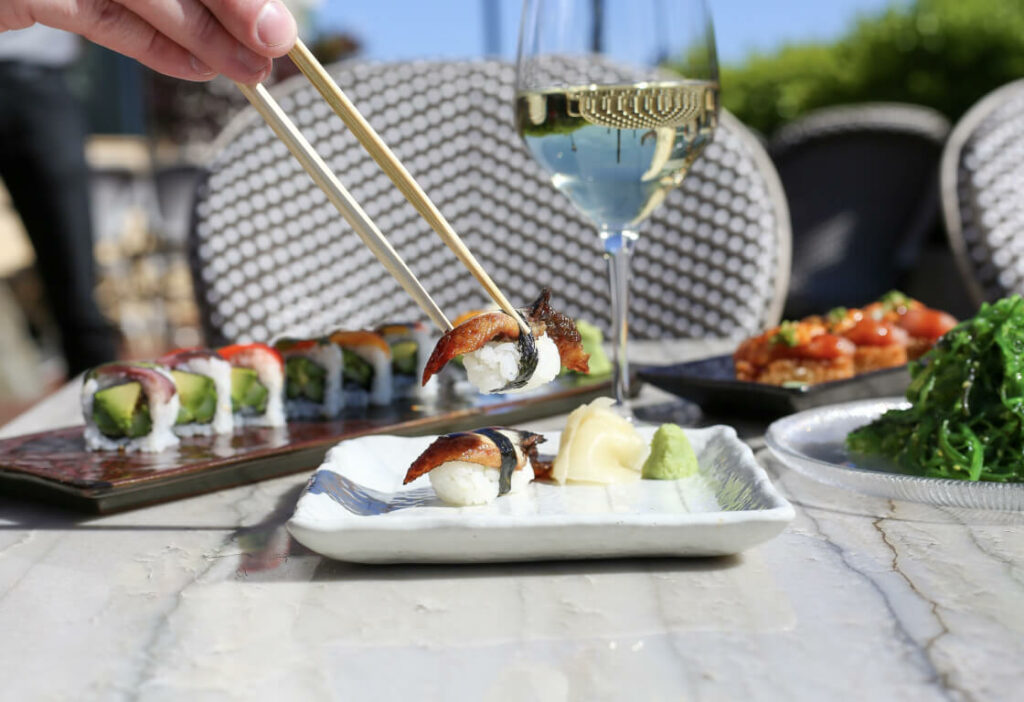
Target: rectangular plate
point(356, 509)
point(55, 466)
point(711, 383)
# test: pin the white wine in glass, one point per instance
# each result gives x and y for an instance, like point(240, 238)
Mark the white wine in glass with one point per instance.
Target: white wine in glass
point(614, 128)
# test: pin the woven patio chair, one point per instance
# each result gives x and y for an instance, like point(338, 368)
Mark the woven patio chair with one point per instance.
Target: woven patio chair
point(861, 185)
point(269, 255)
point(982, 185)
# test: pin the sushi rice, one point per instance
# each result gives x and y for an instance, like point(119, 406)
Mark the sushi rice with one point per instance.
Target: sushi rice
point(219, 371)
point(496, 364)
point(327, 356)
point(162, 415)
point(373, 349)
point(270, 372)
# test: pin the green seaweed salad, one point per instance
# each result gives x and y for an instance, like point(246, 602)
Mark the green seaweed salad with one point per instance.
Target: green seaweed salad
point(966, 419)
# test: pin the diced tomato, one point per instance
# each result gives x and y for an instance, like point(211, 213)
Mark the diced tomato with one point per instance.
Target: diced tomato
point(926, 322)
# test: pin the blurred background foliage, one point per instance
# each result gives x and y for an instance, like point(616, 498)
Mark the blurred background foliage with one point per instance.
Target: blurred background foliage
point(944, 54)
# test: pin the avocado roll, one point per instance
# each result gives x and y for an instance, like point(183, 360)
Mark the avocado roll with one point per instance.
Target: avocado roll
point(129, 407)
point(366, 367)
point(312, 372)
point(203, 380)
point(410, 348)
point(257, 384)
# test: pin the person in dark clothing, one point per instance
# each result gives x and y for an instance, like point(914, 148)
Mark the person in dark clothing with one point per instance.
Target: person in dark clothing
point(42, 165)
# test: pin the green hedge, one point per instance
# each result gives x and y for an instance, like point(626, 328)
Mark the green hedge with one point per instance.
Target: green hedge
point(942, 53)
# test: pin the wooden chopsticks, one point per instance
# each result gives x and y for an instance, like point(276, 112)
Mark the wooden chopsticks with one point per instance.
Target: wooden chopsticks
point(393, 168)
point(342, 199)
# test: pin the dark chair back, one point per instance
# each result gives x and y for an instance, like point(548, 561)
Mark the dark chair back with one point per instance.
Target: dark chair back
point(861, 185)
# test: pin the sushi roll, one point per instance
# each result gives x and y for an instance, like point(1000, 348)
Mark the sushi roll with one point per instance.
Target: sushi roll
point(498, 358)
point(475, 467)
point(312, 371)
point(410, 348)
point(203, 380)
point(366, 367)
point(257, 384)
point(129, 407)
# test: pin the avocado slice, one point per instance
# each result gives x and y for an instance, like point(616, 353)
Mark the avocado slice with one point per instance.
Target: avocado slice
point(198, 397)
point(248, 394)
point(357, 370)
point(403, 357)
point(304, 378)
point(122, 411)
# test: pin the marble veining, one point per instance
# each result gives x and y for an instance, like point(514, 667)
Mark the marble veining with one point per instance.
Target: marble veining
point(209, 599)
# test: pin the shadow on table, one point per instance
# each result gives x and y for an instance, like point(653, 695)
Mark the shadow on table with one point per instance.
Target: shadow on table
point(329, 570)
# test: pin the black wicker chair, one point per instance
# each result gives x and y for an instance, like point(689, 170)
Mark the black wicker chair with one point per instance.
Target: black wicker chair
point(270, 255)
point(982, 179)
point(861, 185)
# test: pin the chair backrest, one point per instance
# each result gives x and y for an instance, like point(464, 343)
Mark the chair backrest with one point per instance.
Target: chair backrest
point(982, 185)
point(861, 185)
point(270, 255)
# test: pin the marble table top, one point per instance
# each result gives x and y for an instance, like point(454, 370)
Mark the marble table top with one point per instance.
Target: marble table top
point(209, 598)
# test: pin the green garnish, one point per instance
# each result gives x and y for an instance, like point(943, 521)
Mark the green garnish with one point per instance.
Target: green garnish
point(786, 334)
point(966, 418)
point(893, 300)
point(837, 314)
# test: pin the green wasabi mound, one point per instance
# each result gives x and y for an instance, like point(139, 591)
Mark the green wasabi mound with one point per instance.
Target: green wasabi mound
point(671, 455)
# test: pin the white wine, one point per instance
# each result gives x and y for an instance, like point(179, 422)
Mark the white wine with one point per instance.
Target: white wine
point(617, 150)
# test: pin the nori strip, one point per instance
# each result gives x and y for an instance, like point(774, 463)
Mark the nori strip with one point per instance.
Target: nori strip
point(508, 457)
point(527, 346)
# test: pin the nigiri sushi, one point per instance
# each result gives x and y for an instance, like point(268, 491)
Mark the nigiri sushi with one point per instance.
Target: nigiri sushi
point(475, 467)
point(257, 384)
point(498, 358)
point(203, 380)
point(129, 407)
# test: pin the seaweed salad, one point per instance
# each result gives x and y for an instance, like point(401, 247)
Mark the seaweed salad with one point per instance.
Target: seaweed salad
point(966, 418)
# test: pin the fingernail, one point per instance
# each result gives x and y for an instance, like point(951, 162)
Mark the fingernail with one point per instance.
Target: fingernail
point(251, 60)
point(275, 25)
point(200, 67)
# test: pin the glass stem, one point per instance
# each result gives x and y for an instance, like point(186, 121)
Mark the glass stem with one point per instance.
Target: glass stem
point(618, 250)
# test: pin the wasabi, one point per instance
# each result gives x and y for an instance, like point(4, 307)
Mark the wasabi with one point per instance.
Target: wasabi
point(671, 455)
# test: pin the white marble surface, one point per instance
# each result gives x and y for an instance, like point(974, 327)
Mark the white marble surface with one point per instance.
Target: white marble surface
point(207, 598)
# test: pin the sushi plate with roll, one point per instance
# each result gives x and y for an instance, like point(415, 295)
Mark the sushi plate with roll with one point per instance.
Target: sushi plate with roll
point(493, 494)
point(195, 420)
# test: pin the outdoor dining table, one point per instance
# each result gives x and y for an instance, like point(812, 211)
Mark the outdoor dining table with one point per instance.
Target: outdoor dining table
point(209, 598)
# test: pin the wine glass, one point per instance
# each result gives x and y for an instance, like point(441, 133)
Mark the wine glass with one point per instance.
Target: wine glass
point(616, 99)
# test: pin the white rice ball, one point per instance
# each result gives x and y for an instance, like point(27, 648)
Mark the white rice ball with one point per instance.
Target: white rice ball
point(496, 364)
point(461, 483)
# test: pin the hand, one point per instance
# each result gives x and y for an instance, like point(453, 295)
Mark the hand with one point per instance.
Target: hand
point(190, 39)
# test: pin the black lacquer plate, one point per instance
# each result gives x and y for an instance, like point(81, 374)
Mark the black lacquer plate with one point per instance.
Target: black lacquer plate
point(712, 384)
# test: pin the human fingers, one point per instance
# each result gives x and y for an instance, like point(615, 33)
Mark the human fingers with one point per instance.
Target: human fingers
point(265, 26)
point(190, 24)
point(117, 27)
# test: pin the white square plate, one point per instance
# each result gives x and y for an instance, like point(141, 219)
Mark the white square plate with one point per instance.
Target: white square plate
point(355, 508)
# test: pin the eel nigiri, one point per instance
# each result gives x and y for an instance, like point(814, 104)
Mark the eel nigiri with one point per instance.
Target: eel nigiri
point(474, 467)
point(498, 358)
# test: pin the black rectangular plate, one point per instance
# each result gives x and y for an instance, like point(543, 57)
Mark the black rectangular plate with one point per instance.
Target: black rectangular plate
point(711, 383)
